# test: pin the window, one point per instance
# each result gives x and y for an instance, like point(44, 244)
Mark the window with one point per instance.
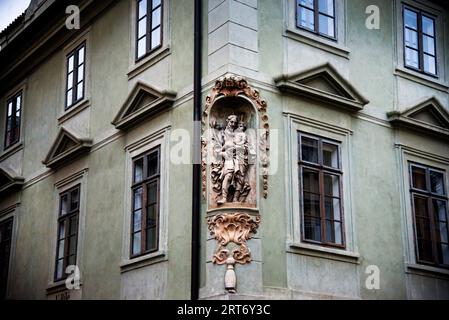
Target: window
point(149, 27)
point(13, 119)
point(5, 252)
point(68, 216)
point(429, 203)
point(75, 76)
point(420, 41)
point(320, 179)
point(317, 16)
point(145, 203)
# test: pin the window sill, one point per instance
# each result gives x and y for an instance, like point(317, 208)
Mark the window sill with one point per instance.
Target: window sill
point(143, 261)
point(11, 150)
point(147, 62)
point(428, 271)
point(421, 79)
point(324, 252)
point(74, 110)
point(57, 287)
point(317, 42)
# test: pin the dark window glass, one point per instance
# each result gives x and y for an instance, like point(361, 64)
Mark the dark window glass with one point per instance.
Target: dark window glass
point(75, 76)
point(317, 16)
point(145, 205)
point(429, 202)
point(320, 176)
point(419, 41)
point(67, 240)
point(5, 252)
point(13, 120)
point(149, 27)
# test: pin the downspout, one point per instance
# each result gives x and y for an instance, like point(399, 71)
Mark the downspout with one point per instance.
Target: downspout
point(196, 180)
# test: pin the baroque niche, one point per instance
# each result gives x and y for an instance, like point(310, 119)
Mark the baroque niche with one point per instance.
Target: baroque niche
point(235, 166)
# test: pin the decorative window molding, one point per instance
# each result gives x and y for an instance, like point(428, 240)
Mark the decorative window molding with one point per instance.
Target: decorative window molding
point(428, 116)
point(335, 45)
point(324, 84)
point(140, 64)
point(9, 181)
point(295, 244)
point(312, 15)
point(438, 13)
point(158, 139)
point(66, 147)
point(58, 288)
point(143, 102)
point(68, 110)
point(18, 92)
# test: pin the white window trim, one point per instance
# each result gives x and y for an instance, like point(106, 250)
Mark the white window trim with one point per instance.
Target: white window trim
point(158, 138)
point(137, 67)
point(440, 82)
point(79, 178)
point(65, 115)
point(18, 145)
point(337, 47)
point(295, 123)
point(405, 156)
point(11, 212)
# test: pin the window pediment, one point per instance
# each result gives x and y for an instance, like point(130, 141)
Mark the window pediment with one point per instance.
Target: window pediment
point(325, 84)
point(9, 181)
point(428, 117)
point(143, 102)
point(66, 147)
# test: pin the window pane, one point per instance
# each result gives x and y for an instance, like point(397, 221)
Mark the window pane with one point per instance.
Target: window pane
point(445, 253)
point(330, 232)
point(442, 230)
point(306, 18)
point(429, 64)
point(9, 109)
point(151, 239)
point(411, 38)
point(155, 38)
point(74, 199)
point(311, 205)
point(73, 225)
point(326, 6)
point(440, 210)
point(309, 149)
point(64, 205)
point(330, 155)
point(437, 182)
point(138, 199)
point(421, 208)
point(71, 62)
point(59, 266)
point(312, 229)
point(307, 3)
point(72, 260)
point(428, 26)
point(137, 224)
point(331, 185)
point(70, 81)
point(142, 8)
point(429, 45)
point(81, 73)
point(326, 25)
point(61, 233)
point(425, 250)
point(156, 3)
point(153, 164)
point(419, 178)
point(80, 90)
point(138, 170)
point(72, 245)
point(152, 193)
point(137, 238)
point(18, 102)
point(141, 47)
point(411, 58)
point(338, 233)
point(156, 18)
point(332, 207)
point(411, 19)
point(81, 55)
point(151, 216)
point(69, 97)
point(61, 249)
point(142, 29)
point(311, 181)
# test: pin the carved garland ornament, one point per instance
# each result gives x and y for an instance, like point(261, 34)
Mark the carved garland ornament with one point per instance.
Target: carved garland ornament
point(233, 86)
point(236, 228)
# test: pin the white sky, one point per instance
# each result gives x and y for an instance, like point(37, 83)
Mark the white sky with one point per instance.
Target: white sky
point(11, 9)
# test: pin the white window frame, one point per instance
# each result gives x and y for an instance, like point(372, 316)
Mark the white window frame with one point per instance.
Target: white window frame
point(8, 213)
point(337, 46)
point(295, 124)
point(159, 138)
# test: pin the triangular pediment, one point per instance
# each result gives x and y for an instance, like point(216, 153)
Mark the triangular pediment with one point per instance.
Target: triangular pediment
point(67, 146)
point(325, 84)
point(9, 181)
point(427, 116)
point(142, 102)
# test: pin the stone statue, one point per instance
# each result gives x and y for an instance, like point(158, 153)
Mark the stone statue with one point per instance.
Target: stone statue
point(230, 165)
